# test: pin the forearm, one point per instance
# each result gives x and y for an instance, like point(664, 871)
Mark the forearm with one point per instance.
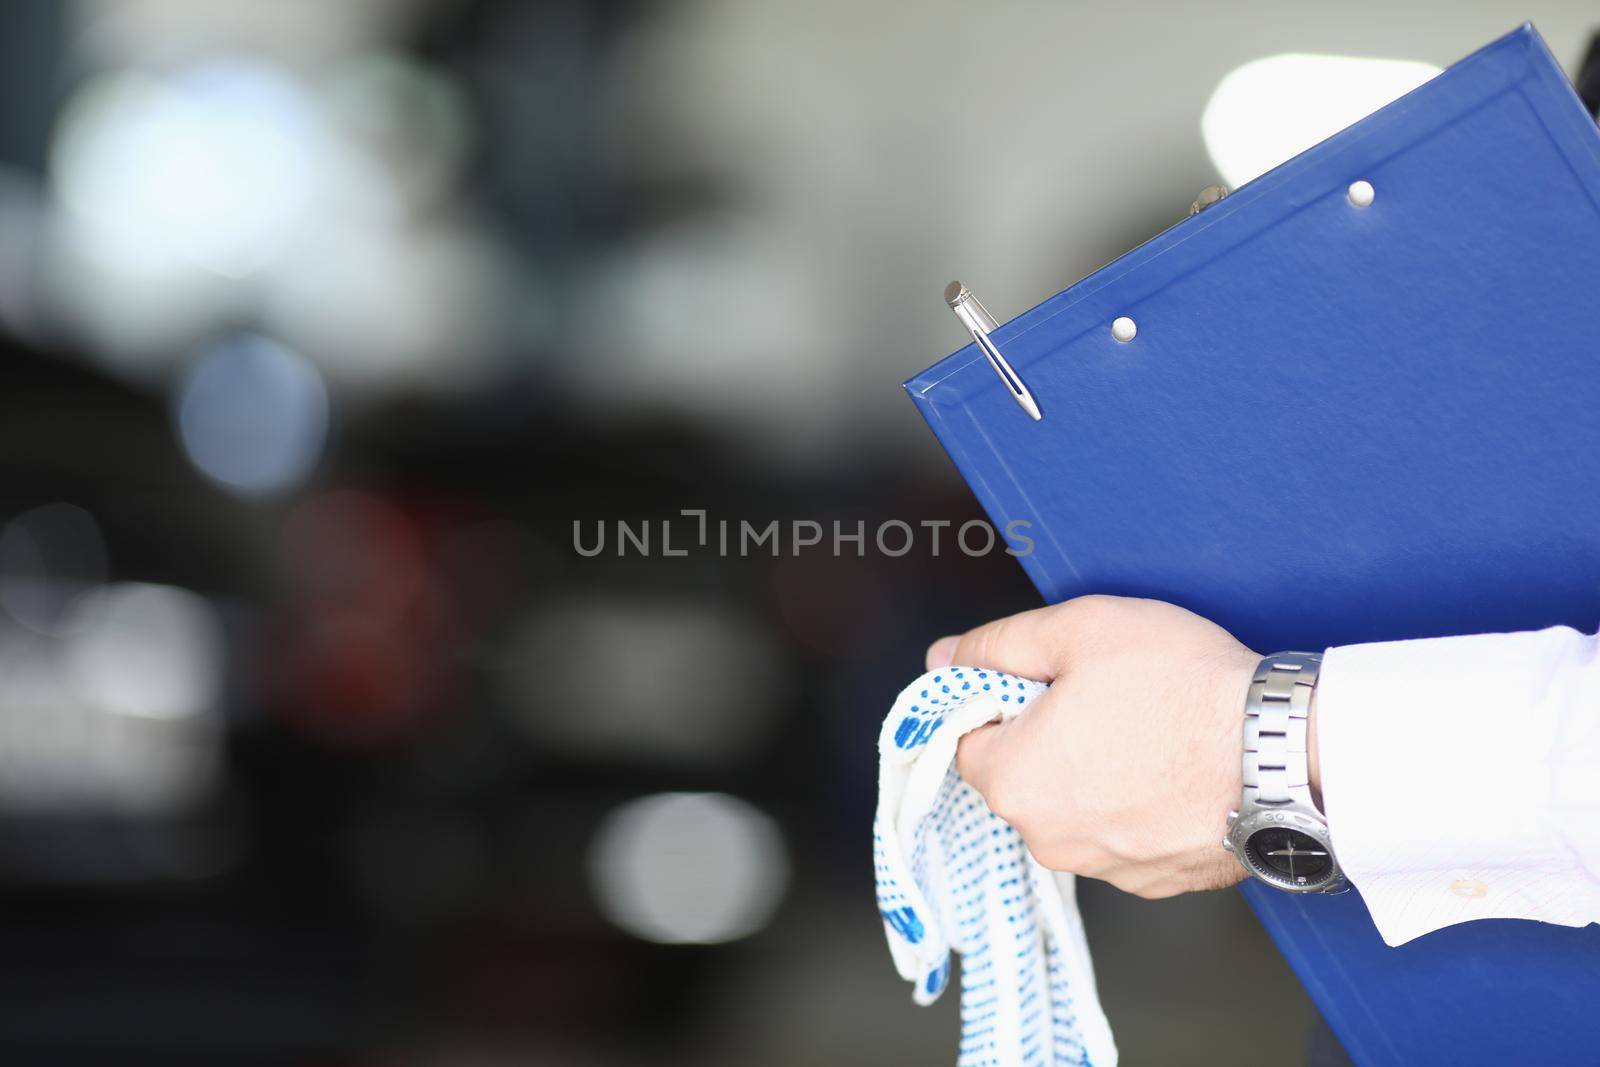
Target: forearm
point(1458, 777)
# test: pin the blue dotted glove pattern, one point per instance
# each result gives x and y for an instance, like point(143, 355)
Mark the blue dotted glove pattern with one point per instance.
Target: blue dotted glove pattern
point(953, 878)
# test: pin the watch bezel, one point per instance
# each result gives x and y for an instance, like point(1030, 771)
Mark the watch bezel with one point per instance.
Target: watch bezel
point(1314, 827)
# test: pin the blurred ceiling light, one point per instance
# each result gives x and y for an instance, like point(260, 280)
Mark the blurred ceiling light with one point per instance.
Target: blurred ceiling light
point(421, 305)
point(1270, 110)
point(770, 363)
point(408, 130)
point(644, 679)
point(689, 868)
point(62, 753)
point(146, 651)
point(138, 326)
point(211, 167)
point(229, 190)
point(49, 556)
point(253, 415)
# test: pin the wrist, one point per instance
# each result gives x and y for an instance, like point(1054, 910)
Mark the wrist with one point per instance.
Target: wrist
point(1232, 692)
point(1278, 833)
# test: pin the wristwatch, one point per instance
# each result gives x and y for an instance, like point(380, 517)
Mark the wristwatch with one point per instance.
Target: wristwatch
point(1278, 834)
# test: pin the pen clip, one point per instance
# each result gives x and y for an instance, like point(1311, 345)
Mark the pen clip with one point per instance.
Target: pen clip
point(979, 323)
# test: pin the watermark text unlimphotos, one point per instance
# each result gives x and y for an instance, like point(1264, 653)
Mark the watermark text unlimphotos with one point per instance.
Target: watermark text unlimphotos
point(694, 531)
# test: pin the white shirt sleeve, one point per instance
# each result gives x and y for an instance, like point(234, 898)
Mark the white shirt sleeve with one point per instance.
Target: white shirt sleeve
point(1461, 777)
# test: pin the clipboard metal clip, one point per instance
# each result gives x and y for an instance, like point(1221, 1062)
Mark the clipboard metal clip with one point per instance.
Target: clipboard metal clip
point(980, 324)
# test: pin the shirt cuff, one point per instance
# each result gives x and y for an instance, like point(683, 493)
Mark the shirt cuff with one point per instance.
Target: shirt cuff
point(1443, 780)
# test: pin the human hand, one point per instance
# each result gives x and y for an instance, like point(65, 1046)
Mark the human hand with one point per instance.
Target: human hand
point(1126, 769)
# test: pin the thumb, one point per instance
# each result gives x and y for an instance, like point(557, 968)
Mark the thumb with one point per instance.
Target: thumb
point(1027, 644)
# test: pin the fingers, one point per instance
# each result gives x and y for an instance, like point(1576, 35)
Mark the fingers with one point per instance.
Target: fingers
point(1027, 644)
point(975, 755)
point(942, 653)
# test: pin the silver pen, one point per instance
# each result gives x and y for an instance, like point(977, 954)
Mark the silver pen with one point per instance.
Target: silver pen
point(979, 323)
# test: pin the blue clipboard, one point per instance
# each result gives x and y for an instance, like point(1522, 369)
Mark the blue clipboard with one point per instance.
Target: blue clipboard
point(1339, 424)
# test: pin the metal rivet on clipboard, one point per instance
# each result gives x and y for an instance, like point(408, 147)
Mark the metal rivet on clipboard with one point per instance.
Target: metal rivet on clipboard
point(980, 324)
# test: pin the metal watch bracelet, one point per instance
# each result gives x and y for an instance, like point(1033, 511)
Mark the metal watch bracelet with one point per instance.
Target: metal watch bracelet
point(1278, 834)
point(1277, 767)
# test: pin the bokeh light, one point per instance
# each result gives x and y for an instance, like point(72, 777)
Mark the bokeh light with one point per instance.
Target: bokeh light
point(112, 708)
point(149, 651)
point(697, 685)
point(67, 755)
point(689, 868)
point(253, 415)
point(647, 342)
point(406, 130)
point(211, 166)
point(384, 305)
point(369, 656)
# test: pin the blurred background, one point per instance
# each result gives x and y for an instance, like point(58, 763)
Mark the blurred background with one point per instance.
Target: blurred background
point(323, 324)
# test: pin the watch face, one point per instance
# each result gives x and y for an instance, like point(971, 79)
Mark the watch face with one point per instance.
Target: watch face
point(1288, 857)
